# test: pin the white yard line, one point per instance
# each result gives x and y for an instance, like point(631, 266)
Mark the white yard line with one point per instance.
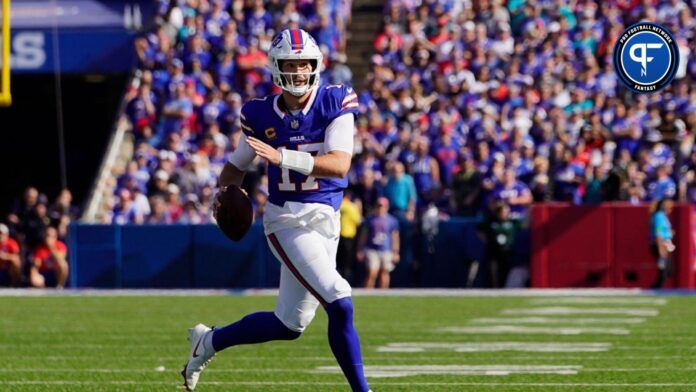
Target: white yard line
point(514, 329)
point(459, 370)
point(561, 310)
point(557, 320)
point(496, 346)
point(599, 301)
point(553, 357)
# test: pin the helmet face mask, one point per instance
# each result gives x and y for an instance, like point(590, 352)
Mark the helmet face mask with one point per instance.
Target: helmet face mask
point(287, 80)
point(295, 44)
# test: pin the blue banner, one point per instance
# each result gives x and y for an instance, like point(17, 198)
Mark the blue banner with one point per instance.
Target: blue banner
point(29, 14)
point(182, 256)
point(92, 36)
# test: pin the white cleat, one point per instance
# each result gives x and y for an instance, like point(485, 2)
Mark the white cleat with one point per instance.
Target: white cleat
point(198, 358)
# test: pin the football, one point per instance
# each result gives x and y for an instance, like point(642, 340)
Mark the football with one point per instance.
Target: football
point(234, 214)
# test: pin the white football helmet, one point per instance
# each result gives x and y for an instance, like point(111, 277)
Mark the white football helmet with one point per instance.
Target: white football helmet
point(294, 44)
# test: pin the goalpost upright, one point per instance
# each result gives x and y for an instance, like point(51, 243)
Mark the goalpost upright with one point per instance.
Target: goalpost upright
point(5, 96)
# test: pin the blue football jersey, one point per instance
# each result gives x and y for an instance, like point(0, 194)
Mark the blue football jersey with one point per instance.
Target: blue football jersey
point(266, 119)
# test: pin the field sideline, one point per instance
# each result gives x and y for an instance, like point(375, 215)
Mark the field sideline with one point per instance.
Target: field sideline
point(434, 340)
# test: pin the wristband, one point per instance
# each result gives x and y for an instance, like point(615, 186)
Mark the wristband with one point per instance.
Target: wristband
point(299, 161)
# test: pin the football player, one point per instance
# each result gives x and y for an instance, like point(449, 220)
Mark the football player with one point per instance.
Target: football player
point(306, 135)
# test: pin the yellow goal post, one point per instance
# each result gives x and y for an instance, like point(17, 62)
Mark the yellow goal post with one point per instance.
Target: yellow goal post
point(5, 97)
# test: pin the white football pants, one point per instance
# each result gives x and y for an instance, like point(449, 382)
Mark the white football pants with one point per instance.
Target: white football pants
point(304, 238)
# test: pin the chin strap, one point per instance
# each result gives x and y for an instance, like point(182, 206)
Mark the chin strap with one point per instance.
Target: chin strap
point(299, 161)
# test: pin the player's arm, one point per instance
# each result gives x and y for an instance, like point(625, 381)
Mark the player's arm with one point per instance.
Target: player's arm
point(231, 175)
point(235, 168)
point(237, 165)
point(335, 163)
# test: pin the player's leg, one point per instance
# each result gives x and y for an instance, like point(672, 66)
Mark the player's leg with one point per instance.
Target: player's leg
point(267, 326)
point(295, 309)
point(343, 337)
point(257, 327)
point(296, 306)
point(315, 268)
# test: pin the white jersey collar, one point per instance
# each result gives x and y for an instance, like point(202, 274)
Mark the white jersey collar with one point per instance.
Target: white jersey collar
point(276, 108)
point(310, 101)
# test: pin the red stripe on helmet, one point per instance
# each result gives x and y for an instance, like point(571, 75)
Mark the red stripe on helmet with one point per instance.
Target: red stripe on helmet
point(296, 39)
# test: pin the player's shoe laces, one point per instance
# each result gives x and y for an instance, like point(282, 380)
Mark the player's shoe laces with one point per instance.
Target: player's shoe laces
point(198, 358)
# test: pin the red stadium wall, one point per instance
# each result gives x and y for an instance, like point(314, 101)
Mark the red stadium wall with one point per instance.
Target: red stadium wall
point(605, 246)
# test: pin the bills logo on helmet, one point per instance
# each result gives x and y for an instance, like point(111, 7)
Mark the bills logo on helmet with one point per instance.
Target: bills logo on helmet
point(277, 39)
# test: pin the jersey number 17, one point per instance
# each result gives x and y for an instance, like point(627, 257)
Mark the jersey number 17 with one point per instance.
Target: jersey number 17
point(310, 183)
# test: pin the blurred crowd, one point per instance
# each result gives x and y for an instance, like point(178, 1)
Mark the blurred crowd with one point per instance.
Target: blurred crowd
point(202, 61)
point(481, 108)
point(484, 102)
point(467, 105)
point(33, 248)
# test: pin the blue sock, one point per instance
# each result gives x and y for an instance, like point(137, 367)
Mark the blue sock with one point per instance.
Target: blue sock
point(345, 343)
point(253, 328)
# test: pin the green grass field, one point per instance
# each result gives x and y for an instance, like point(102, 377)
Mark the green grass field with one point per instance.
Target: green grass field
point(88, 343)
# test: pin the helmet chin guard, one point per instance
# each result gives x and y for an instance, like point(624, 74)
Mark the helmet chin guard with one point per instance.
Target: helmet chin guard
point(295, 44)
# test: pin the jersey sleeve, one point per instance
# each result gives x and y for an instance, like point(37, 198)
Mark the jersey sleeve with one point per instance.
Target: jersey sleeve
point(341, 100)
point(243, 155)
point(246, 119)
point(339, 134)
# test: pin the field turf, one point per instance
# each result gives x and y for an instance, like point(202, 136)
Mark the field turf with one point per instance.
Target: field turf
point(410, 343)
